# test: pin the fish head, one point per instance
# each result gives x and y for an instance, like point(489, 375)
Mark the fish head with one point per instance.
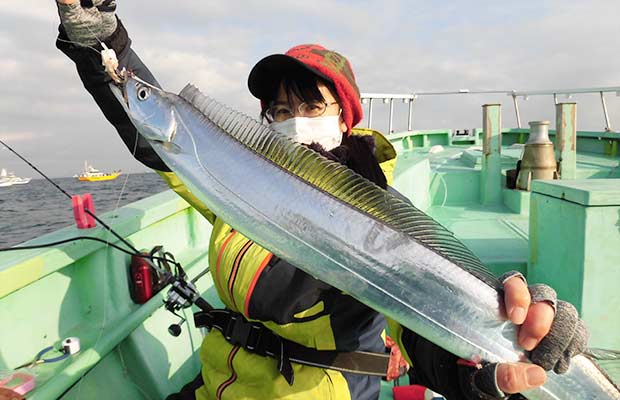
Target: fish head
point(150, 109)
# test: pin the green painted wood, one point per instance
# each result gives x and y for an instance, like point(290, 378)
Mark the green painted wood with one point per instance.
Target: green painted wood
point(83, 292)
point(490, 176)
point(566, 139)
point(518, 201)
point(575, 249)
point(589, 192)
point(413, 181)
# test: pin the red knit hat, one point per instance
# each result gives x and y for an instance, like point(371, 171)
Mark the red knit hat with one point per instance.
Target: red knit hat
point(329, 65)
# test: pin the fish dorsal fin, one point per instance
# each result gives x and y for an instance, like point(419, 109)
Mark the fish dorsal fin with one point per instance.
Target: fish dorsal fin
point(608, 362)
point(338, 181)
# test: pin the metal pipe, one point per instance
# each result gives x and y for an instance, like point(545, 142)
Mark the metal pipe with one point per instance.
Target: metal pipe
point(508, 92)
point(409, 124)
point(516, 104)
point(410, 97)
point(390, 130)
point(565, 91)
point(607, 124)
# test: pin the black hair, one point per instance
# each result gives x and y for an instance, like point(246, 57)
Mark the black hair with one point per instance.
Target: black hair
point(302, 84)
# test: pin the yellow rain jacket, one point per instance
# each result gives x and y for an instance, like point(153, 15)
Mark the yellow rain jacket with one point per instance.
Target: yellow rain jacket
point(252, 281)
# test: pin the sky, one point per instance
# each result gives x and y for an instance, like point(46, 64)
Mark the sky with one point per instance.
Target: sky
point(393, 46)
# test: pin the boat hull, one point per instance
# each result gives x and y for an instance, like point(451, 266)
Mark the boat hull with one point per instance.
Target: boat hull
point(98, 178)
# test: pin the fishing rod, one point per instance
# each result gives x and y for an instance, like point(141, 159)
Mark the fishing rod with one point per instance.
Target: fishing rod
point(182, 294)
point(86, 210)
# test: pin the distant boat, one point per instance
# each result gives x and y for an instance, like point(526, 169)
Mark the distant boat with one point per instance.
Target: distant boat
point(9, 179)
point(91, 174)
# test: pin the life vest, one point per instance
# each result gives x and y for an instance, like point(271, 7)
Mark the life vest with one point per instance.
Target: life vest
point(250, 280)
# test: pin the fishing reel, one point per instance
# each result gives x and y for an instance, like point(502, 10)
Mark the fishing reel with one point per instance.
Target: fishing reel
point(182, 294)
point(149, 273)
point(152, 271)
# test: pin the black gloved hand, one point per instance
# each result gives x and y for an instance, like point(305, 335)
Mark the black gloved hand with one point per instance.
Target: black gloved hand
point(481, 383)
point(88, 21)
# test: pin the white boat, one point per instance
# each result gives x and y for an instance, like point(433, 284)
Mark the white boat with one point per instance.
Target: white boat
point(9, 179)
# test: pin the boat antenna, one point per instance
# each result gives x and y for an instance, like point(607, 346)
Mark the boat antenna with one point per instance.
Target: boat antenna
point(119, 237)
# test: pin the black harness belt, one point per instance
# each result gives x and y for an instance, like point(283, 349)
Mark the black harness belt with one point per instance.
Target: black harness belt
point(256, 338)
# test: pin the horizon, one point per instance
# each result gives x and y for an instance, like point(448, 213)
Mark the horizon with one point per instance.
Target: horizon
point(37, 177)
point(394, 47)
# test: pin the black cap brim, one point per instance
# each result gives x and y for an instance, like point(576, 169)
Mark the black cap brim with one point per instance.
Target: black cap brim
point(267, 74)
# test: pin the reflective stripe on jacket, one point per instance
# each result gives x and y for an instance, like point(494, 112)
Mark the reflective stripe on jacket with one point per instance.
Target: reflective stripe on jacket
point(251, 280)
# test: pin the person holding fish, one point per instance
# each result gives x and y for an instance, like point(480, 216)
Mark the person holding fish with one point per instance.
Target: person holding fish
point(309, 94)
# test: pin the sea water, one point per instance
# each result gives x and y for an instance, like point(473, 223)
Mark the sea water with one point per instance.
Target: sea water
point(31, 210)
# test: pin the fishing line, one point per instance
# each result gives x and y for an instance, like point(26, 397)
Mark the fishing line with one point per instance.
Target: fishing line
point(119, 237)
point(79, 44)
point(103, 292)
point(59, 242)
point(168, 259)
point(104, 314)
point(120, 196)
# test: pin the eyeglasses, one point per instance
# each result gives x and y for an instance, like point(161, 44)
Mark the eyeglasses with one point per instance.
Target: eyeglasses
point(282, 112)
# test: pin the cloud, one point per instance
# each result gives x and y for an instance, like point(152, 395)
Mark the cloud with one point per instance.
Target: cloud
point(394, 46)
point(33, 10)
point(16, 137)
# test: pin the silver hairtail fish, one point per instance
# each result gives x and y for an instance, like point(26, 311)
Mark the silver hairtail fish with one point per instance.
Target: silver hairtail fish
point(340, 228)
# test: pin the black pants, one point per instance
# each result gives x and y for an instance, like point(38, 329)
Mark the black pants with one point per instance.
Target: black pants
point(188, 391)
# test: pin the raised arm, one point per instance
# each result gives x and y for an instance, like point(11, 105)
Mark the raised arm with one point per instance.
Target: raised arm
point(83, 25)
point(86, 23)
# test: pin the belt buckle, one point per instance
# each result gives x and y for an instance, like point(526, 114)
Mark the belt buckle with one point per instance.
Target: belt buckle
point(240, 332)
point(237, 331)
point(254, 338)
point(203, 319)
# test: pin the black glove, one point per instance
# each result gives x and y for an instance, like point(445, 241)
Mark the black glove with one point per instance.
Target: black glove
point(481, 384)
point(89, 21)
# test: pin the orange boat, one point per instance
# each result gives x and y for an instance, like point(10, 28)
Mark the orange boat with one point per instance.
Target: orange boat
point(92, 174)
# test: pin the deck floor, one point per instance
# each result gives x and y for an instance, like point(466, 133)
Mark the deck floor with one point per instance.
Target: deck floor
point(495, 233)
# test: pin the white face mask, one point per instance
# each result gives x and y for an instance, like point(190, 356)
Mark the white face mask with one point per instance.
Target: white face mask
point(323, 130)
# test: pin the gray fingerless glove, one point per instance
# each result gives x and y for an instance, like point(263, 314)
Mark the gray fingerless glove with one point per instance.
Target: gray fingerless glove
point(88, 21)
point(568, 335)
point(567, 338)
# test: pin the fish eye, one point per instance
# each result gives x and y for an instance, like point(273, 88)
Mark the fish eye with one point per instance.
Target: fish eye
point(143, 93)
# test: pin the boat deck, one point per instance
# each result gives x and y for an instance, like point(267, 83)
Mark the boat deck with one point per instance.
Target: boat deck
point(126, 351)
point(446, 185)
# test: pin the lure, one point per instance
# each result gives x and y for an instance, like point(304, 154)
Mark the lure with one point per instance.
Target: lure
point(109, 60)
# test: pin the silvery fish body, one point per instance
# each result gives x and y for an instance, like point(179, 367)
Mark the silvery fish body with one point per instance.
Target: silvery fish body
point(340, 228)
